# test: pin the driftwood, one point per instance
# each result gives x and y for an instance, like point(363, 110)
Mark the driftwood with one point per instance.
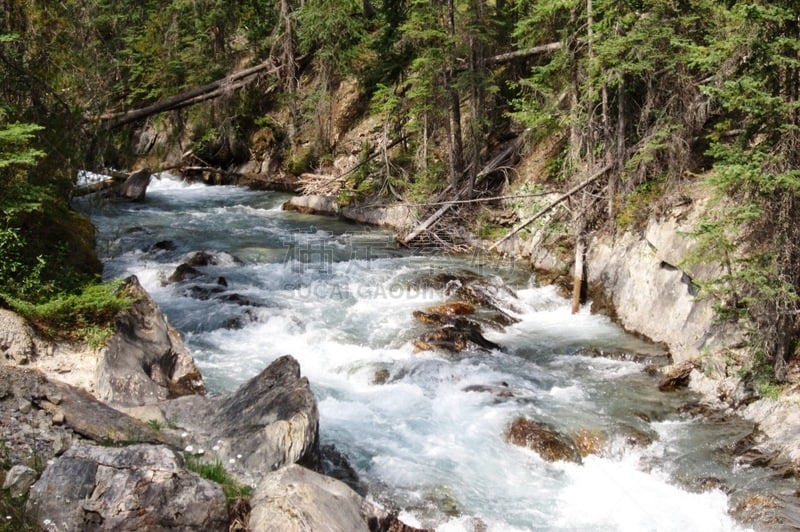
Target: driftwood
point(193, 96)
point(580, 186)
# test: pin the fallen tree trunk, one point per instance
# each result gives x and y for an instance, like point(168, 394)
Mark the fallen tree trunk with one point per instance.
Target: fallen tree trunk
point(580, 186)
point(192, 96)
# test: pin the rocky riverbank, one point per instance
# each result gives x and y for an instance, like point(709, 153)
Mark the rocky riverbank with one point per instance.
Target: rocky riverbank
point(124, 438)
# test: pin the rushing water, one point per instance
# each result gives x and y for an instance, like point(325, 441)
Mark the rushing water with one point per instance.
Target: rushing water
point(340, 299)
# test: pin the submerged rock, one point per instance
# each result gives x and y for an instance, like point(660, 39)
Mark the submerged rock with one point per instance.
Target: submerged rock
point(139, 487)
point(547, 442)
point(145, 361)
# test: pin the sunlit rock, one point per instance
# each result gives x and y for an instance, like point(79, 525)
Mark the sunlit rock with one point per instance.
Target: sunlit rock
point(549, 444)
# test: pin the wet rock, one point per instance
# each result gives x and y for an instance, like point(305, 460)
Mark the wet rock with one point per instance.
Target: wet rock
point(222, 281)
point(648, 359)
point(135, 186)
point(182, 273)
point(239, 322)
point(238, 299)
point(454, 338)
point(295, 499)
point(636, 437)
point(498, 391)
point(19, 479)
point(336, 465)
point(139, 487)
point(757, 508)
point(749, 450)
point(206, 258)
point(452, 334)
point(203, 292)
point(381, 376)
point(163, 245)
point(145, 360)
point(548, 443)
point(676, 376)
point(269, 422)
point(590, 442)
point(17, 339)
point(454, 308)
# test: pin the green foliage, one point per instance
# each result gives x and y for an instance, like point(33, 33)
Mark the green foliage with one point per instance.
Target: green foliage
point(215, 472)
point(87, 315)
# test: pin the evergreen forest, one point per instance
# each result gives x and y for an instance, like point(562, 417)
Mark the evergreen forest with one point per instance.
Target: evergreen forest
point(635, 99)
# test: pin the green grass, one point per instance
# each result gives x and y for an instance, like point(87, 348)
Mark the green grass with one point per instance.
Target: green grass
point(215, 472)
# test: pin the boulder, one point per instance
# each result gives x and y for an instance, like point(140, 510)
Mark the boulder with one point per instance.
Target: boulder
point(135, 186)
point(270, 422)
point(145, 361)
point(17, 339)
point(139, 487)
point(547, 442)
point(295, 499)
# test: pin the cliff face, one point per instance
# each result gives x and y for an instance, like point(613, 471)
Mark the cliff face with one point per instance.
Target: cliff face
point(647, 279)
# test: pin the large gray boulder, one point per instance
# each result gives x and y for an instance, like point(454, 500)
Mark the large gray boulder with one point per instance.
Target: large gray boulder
point(145, 361)
point(140, 487)
point(270, 422)
point(135, 186)
point(295, 499)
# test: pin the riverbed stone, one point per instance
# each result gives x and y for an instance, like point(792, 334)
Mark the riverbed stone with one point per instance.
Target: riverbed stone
point(145, 361)
point(550, 444)
point(139, 487)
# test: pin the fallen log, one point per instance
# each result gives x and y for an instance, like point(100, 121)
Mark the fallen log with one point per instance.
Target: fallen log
point(580, 186)
point(192, 96)
point(518, 54)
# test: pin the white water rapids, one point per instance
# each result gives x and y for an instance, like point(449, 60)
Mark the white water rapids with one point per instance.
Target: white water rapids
point(340, 299)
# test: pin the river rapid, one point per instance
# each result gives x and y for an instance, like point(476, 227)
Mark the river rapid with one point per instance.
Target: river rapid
point(425, 431)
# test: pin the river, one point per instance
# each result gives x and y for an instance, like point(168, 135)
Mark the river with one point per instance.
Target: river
point(340, 298)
